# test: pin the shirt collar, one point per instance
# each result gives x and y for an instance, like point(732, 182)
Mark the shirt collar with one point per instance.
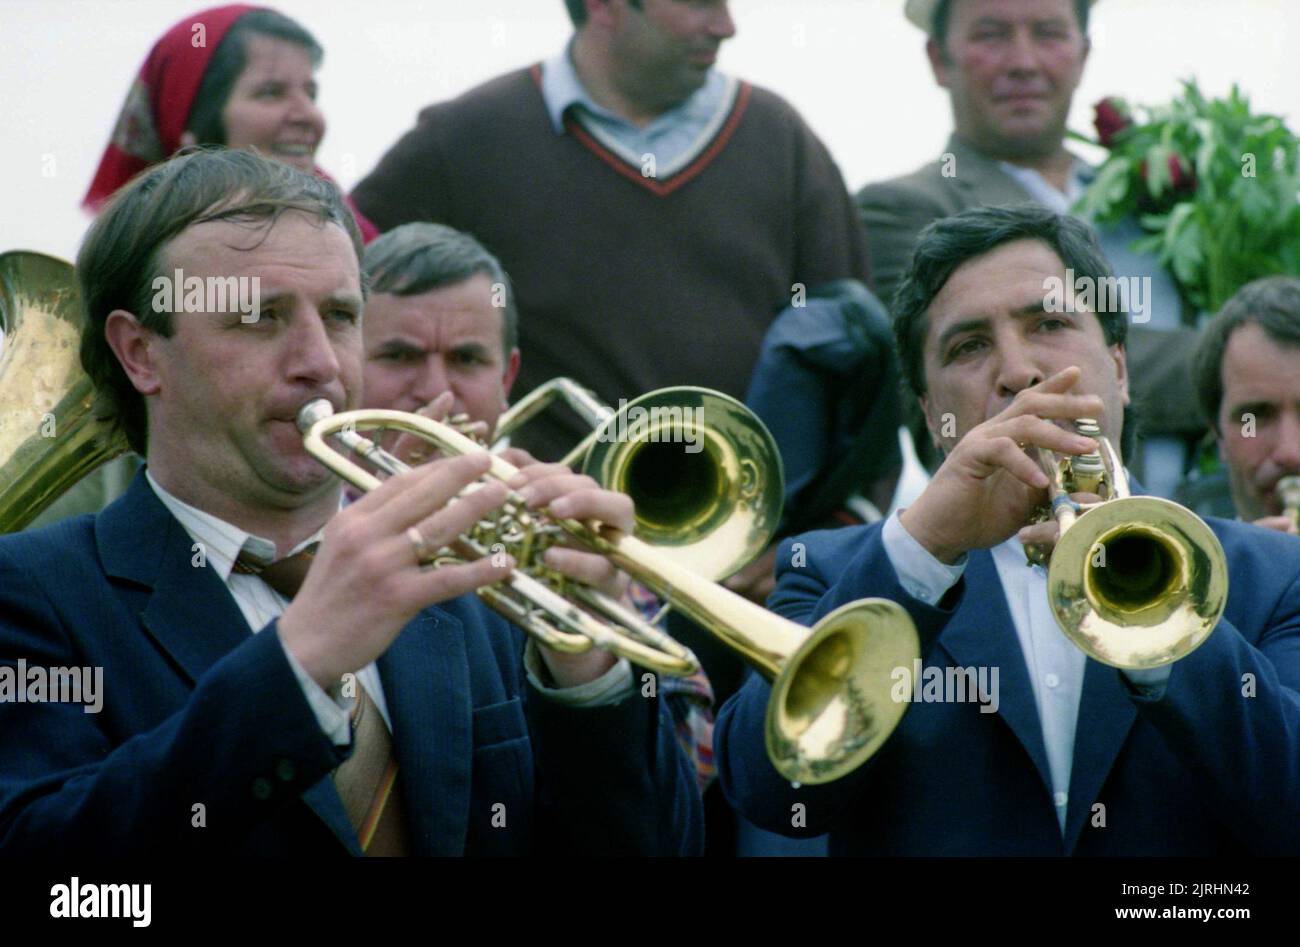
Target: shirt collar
point(222, 542)
point(562, 88)
point(1045, 193)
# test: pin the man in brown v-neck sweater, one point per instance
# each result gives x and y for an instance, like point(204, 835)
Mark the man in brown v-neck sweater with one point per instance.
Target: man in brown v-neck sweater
point(653, 214)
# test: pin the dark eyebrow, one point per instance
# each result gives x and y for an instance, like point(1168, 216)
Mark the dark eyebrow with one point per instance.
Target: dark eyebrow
point(1036, 308)
point(397, 344)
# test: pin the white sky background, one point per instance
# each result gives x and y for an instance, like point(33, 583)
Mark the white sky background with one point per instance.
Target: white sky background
point(854, 68)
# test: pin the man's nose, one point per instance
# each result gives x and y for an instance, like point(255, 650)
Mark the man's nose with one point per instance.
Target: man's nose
point(722, 26)
point(432, 380)
point(312, 356)
point(1286, 449)
point(1022, 56)
point(1016, 370)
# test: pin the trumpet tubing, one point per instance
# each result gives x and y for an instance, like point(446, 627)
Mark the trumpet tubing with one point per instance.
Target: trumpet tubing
point(831, 706)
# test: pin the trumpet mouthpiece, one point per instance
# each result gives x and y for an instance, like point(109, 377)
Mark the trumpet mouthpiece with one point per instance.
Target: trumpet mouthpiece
point(312, 412)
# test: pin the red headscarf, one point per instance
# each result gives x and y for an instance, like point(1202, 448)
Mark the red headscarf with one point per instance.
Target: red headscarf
point(157, 108)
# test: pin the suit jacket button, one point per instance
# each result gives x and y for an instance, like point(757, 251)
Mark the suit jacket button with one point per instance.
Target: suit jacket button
point(284, 769)
point(261, 789)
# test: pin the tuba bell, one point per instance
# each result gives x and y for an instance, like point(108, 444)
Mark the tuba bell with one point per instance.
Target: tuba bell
point(49, 435)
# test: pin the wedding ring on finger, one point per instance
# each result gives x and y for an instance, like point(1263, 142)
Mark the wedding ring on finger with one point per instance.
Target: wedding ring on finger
point(421, 548)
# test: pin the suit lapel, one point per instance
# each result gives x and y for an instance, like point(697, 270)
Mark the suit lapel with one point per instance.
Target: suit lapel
point(980, 178)
point(191, 614)
point(425, 674)
point(982, 634)
point(1106, 715)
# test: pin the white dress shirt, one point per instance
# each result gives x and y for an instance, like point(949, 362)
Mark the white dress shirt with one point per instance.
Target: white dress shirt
point(1054, 664)
point(221, 543)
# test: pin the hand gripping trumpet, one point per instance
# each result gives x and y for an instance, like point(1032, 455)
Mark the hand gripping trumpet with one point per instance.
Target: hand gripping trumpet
point(1134, 581)
point(831, 706)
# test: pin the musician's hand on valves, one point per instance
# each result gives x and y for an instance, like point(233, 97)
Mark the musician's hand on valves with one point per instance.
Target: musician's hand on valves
point(989, 485)
point(367, 579)
point(570, 495)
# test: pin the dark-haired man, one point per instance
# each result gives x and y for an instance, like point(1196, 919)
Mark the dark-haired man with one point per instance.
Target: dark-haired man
point(1247, 374)
point(1011, 68)
point(366, 705)
point(1058, 754)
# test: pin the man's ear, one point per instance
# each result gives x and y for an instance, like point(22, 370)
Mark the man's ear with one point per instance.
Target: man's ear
point(511, 373)
point(939, 62)
point(136, 349)
point(931, 422)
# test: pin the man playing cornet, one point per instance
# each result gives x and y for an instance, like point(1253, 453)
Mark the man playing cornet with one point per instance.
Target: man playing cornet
point(370, 706)
point(1061, 754)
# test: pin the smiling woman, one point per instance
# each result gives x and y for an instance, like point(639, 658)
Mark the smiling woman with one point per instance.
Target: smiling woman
point(235, 75)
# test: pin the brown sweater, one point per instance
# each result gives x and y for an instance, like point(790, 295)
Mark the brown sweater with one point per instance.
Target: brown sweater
point(623, 282)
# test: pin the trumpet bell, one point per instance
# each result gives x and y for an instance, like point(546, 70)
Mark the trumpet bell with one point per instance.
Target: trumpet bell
point(1138, 582)
point(703, 471)
point(49, 437)
point(832, 705)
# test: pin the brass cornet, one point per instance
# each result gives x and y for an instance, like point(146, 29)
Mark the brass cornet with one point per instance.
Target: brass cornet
point(1135, 582)
point(831, 706)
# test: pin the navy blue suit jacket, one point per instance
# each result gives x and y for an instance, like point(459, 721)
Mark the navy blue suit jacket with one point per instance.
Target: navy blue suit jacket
point(198, 711)
point(1203, 770)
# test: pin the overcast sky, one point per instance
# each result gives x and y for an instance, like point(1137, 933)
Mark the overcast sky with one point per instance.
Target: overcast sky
point(854, 68)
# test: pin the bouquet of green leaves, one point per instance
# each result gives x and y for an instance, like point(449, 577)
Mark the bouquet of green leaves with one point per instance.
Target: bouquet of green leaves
point(1216, 187)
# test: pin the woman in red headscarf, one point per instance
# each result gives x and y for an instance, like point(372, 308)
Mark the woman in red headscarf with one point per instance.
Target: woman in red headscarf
point(237, 75)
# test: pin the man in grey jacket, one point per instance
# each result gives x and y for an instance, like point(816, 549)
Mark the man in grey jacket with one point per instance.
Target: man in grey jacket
point(1011, 68)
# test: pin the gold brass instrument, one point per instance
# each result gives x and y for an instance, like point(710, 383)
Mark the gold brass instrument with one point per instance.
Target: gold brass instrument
point(831, 706)
point(1134, 581)
point(712, 510)
point(1288, 489)
point(49, 436)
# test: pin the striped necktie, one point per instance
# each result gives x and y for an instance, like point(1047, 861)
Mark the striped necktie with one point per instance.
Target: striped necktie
point(367, 780)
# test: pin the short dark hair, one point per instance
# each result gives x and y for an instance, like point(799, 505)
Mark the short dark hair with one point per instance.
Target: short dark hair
point(942, 13)
point(415, 258)
point(228, 62)
point(1273, 304)
point(951, 241)
point(124, 250)
point(578, 10)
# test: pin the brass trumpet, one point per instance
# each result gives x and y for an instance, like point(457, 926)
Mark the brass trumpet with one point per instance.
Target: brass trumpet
point(712, 510)
point(1134, 581)
point(830, 708)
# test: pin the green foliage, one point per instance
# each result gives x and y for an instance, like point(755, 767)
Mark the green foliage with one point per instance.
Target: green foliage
point(1240, 218)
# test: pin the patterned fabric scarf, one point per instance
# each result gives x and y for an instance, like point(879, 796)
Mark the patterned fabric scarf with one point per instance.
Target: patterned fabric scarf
point(149, 127)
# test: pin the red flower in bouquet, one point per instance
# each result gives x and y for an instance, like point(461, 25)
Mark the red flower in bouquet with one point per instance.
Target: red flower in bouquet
point(1112, 117)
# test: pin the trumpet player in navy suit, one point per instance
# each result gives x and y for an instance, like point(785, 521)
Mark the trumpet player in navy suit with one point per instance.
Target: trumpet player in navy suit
point(1054, 753)
point(280, 676)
